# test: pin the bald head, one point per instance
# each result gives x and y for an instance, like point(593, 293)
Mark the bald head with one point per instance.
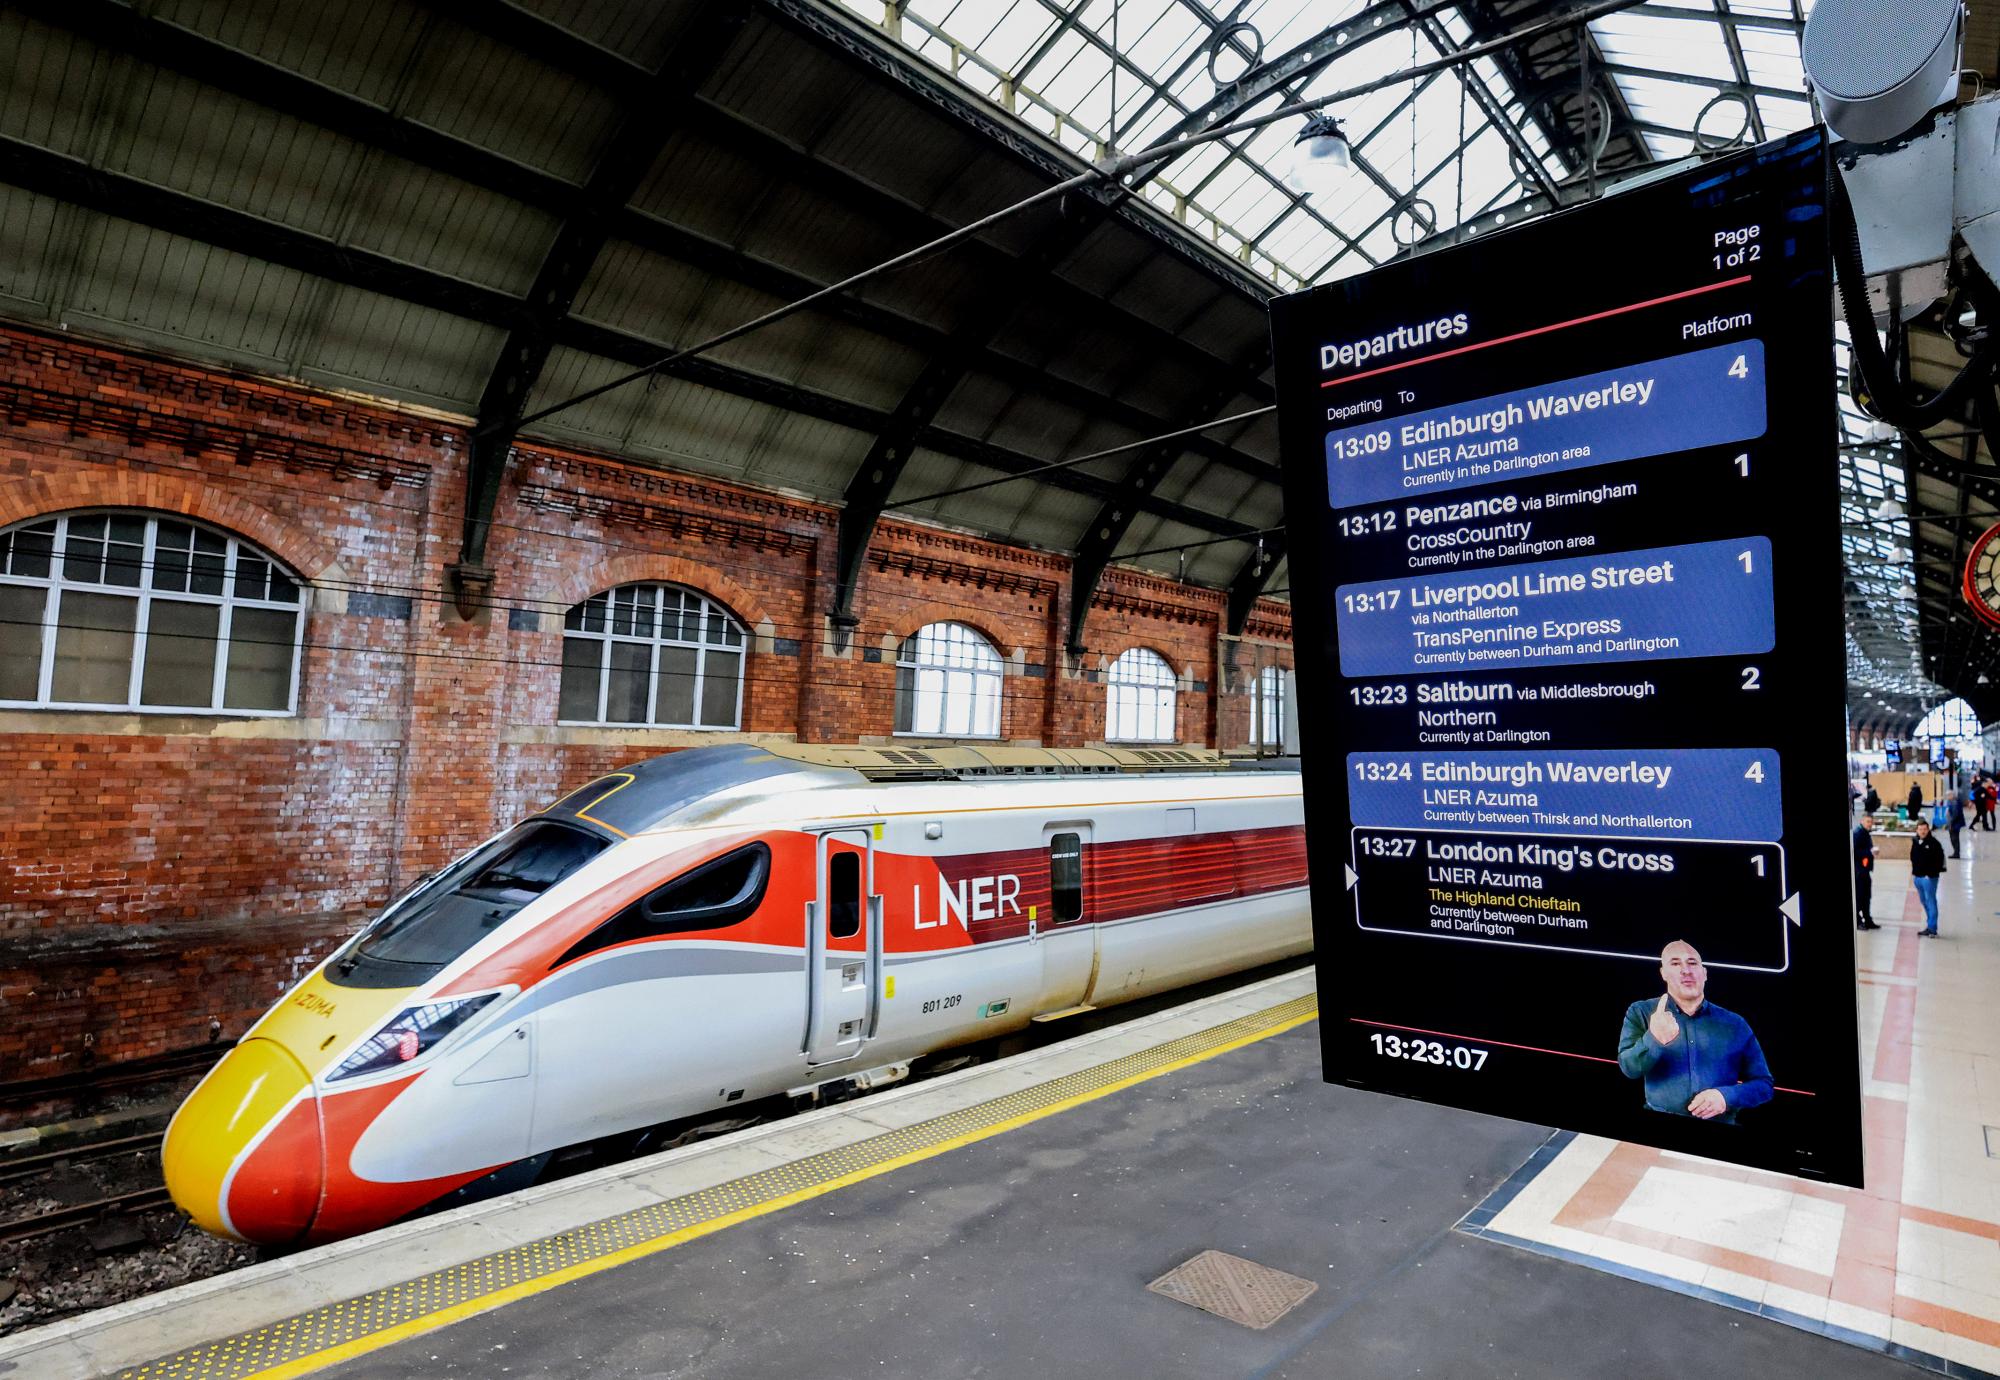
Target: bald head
point(1681, 969)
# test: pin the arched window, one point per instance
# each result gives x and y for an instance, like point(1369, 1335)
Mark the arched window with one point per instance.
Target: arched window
point(948, 683)
point(1139, 699)
point(124, 610)
point(651, 655)
point(1954, 721)
point(1267, 729)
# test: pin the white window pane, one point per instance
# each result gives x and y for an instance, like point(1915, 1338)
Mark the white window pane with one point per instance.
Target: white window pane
point(21, 610)
point(94, 648)
point(720, 679)
point(957, 703)
point(930, 701)
point(987, 720)
point(180, 653)
point(582, 660)
point(262, 643)
point(674, 699)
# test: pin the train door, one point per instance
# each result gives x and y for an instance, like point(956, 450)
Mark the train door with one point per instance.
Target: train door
point(843, 948)
point(1068, 939)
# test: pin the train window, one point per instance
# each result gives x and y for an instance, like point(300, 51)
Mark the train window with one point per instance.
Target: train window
point(715, 894)
point(843, 895)
point(437, 922)
point(1066, 877)
point(722, 891)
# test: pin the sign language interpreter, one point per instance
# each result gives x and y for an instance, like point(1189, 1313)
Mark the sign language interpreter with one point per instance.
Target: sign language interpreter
point(1696, 1058)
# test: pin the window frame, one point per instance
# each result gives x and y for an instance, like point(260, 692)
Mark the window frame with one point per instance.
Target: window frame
point(1267, 709)
point(1143, 667)
point(906, 661)
point(606, 638)
point(143, 595)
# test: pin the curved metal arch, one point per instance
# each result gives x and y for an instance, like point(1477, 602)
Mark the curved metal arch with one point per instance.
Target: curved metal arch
point(648, 121)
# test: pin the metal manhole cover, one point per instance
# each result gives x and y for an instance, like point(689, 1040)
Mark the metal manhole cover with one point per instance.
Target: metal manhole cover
point(1234, 1288)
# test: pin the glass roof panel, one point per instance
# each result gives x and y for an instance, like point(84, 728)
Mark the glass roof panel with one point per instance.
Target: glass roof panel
point(1664, 64)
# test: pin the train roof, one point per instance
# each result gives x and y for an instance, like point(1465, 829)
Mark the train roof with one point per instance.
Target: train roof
point(642, 795)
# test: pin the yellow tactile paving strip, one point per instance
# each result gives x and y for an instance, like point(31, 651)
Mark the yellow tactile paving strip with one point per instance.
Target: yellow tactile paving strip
point(340, 1331)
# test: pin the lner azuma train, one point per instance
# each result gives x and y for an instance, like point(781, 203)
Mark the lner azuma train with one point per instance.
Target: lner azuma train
point(722, 925)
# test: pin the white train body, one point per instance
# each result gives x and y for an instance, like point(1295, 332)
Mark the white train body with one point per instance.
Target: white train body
point(719, 926)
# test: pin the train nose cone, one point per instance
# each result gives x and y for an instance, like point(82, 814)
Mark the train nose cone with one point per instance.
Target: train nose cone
point(243, 1155)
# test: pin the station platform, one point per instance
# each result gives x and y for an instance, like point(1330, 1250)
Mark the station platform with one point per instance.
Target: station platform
point(1004, 1219)
point(1909, 1264)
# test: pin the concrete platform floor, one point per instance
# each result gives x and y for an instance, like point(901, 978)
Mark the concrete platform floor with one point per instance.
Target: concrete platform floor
point(1028, 1254)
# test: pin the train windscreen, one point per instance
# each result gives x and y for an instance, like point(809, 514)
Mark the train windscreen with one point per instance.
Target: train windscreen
point(437, 922)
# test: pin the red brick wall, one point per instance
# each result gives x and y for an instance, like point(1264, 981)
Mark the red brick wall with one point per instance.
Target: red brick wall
point(160, 872)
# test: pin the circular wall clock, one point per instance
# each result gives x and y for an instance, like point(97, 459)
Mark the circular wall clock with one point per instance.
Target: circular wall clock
point(1982, 576)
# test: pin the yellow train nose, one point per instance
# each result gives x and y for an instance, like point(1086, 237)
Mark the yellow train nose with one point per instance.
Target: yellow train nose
point(243, 1155)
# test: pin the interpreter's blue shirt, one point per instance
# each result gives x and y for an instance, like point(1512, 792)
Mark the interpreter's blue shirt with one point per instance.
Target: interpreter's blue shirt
point(1715, 1049)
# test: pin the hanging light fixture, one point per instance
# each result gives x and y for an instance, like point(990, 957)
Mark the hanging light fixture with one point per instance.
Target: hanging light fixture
point(1321, 156)
point(1906, 590)
point(1889, 508)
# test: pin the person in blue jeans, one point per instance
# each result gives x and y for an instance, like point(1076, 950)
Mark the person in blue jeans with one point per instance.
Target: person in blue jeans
point(1926, 866)
point(1697, 1059)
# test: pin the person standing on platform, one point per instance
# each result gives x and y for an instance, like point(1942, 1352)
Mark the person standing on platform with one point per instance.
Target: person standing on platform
point(1926, 866)
point(1916, 800)
point(1954, 818)
point(1991, 795)
point(1864, 876)
point(1872, 801)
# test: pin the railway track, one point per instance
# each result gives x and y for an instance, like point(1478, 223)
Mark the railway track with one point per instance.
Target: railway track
point(82, 1214)
point(28, 1166)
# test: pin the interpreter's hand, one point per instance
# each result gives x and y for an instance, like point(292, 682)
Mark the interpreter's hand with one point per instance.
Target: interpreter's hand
point(1707, 1104)
point(1664, 1027)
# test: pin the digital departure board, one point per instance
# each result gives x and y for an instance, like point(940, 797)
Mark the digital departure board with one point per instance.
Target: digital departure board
point(1564, 526)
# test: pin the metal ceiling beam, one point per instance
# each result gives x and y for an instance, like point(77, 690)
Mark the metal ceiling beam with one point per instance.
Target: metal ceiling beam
point(1546, 65)
point(1248, 585)
point(860, 44)
point(127, 198)
point(1476, 84)
point(794, 165)
point(1773, 22)
point(861, 417)
point(1744, 88)
point(50, 174)
point(515, 27)
point(999, 297)
point(124, 29)
point(120, 28)
point(551, 43)
point(1101, 539)
point(651, 111)
point(1734, 43)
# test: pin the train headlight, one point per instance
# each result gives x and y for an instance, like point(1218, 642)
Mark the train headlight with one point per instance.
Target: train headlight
point(409, 1033)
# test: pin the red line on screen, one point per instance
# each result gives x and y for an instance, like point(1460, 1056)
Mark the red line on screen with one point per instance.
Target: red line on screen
point(1506, 1044)
point(1541, 330)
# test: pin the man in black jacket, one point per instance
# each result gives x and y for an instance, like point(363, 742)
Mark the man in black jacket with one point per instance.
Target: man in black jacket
point(1864, 876)
point(1926, 866)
